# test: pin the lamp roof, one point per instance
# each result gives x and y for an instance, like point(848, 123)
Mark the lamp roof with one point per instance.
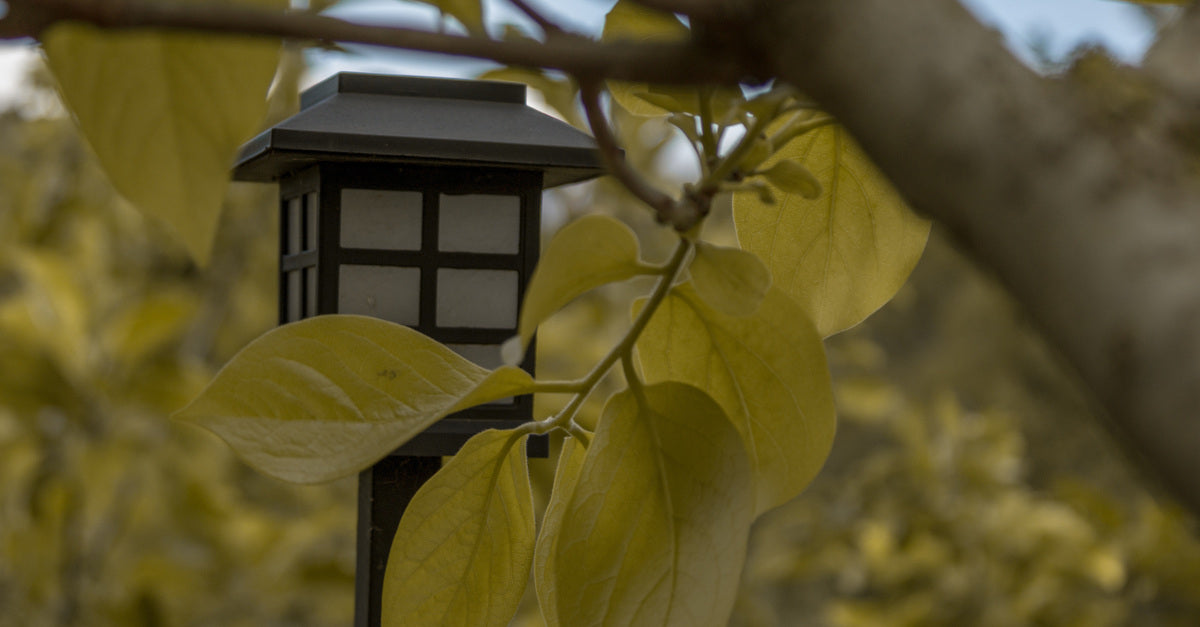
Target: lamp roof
point(401, 119)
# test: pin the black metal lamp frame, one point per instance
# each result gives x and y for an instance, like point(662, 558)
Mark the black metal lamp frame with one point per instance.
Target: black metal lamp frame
point(311, 255)
point(436, 137)
point(317, 269)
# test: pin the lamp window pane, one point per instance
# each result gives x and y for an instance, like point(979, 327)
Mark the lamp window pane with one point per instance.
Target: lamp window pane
point(310, 291)
point(381, 219)
point(477, 298)
point(310, 221)
point(482, 355)
point(293, 296)
point(479, 223)
point(293, 226)
point(381, 291)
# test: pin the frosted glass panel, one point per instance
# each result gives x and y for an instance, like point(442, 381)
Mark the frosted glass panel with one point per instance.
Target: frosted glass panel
point(477, 298)
point(293, 296)
point(310, 221)
point(381, 219)
point(380, 291)
point(479, 223)
point(292, 245)
point(483, 355)
point(310, 291)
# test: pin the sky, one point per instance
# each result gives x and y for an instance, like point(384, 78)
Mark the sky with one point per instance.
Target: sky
point(1064, 24)
point(1057, 26)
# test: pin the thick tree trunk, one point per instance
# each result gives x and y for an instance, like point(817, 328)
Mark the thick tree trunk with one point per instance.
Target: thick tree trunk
point(1081, 200)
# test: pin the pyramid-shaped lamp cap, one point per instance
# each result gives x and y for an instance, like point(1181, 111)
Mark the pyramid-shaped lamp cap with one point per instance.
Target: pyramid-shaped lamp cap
point(399, 119)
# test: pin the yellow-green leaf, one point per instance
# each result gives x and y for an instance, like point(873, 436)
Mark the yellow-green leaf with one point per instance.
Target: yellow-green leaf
point(729, 280)
point(166, 113)
point(645, 100)
point(585, 254)
point(570, 462)
point(58, 307)
point(469, 12)
point(561, 93)
point(629, 21)
point(148, 325)
point(462, 552)
point(793, 178)
point(326, 397)
point(767, 371)
point(845, 253)
point(655, 530)
point(632, 22)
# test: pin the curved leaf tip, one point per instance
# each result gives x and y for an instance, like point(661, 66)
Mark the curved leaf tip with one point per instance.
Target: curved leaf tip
point(328, 396)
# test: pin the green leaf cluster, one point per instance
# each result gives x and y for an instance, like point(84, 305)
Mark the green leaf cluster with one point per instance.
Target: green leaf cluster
point(724, 414)
point(734, 418)
point(727, 409)
point(998, 507)
point(840, 253)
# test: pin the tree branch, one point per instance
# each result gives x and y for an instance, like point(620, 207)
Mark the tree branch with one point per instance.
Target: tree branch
point(662, 204)
point(654, 62)
point(1175, 57)
point(548, 27)
point(1090, 219)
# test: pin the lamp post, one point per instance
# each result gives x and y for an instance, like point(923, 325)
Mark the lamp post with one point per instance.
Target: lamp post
point(418, 201)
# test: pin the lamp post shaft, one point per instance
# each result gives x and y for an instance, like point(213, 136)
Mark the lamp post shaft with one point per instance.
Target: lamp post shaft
point(384, 491)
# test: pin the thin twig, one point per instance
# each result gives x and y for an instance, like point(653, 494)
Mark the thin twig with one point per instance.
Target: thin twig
point(1171, 60)
point(668, 63)
point(588, 384)
point(706, 129)
point(632, 379)
point(549, 27)
point(579, 433)
point(665, 208)
point(730, 162)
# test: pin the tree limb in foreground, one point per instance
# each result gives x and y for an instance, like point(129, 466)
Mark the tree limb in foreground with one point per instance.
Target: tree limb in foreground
point(1090, 214)
point(679, 63)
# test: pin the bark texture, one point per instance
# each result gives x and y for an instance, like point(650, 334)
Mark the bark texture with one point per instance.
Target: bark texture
point(1082, 194)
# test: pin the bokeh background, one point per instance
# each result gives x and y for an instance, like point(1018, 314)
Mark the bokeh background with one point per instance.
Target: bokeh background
point(971, 482)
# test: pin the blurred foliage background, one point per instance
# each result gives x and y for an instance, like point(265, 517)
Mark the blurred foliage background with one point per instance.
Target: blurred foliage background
point(110, 514)
point(969, 483)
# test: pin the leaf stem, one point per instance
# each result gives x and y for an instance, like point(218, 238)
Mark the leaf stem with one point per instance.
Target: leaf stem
point(729, 164)
point(706, 128)
point(790, 132)
point(557, 387)
point(643, 318)
point(610, 152)
point(632, 378)
point(623, 350)
point(579, 433)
